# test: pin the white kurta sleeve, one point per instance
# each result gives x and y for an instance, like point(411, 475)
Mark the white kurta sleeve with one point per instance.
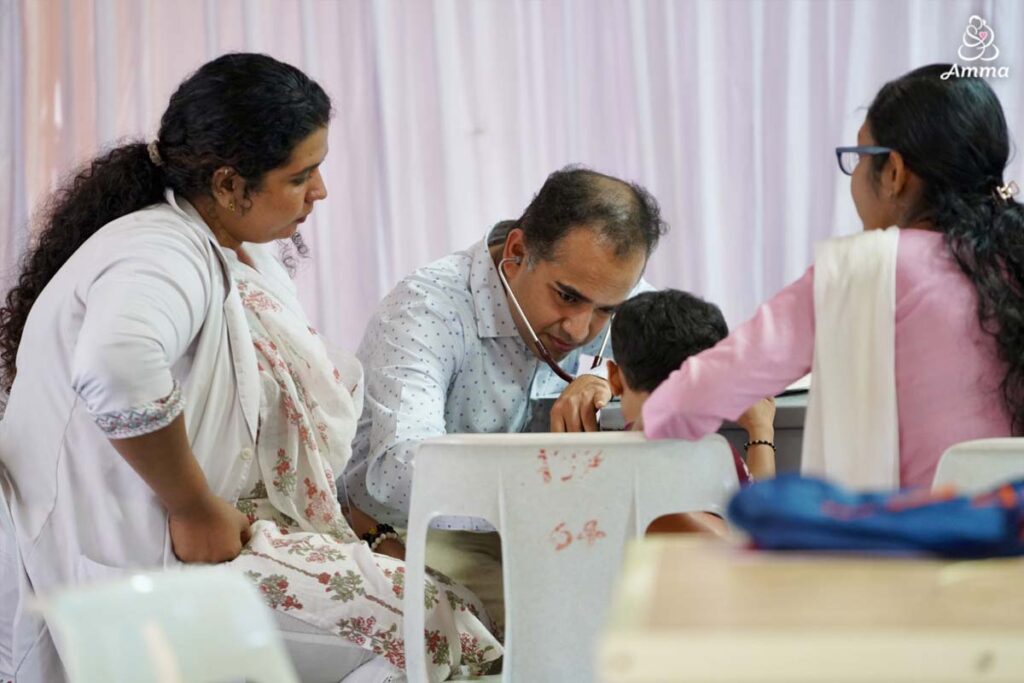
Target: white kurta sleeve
point(142, 312)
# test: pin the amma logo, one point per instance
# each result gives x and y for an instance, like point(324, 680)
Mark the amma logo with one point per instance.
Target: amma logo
point(979, 44)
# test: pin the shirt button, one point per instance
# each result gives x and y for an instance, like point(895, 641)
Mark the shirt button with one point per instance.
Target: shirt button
point(246, 454)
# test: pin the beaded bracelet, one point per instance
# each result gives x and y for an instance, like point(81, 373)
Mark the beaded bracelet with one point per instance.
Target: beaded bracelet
point(376, 532)
point(759, 442)
point(383, 537)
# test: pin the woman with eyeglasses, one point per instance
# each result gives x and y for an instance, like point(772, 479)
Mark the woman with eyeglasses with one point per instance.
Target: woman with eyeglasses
point(915, 327)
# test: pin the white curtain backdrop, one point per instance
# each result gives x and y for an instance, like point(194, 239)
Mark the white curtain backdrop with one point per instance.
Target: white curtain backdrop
point(450, 113)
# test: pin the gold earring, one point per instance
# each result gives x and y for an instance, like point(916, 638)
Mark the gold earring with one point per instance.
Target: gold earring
point(231, 206)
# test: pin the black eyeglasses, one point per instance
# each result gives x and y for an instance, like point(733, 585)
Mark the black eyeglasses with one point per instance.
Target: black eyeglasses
point(849, 157)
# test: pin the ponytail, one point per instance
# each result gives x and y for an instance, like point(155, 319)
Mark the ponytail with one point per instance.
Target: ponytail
point(986, 237)
point(113, 185)
point(244, 111)
point(952, 134)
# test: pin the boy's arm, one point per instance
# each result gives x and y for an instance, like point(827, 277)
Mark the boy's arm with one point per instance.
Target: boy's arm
point(689, 523)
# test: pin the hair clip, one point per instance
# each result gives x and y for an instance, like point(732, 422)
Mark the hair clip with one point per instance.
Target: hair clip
point(154, 154)
point(1008, 191)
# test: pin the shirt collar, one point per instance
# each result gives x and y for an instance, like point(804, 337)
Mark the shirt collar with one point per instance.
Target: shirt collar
point(184, 207)
point(493, 315)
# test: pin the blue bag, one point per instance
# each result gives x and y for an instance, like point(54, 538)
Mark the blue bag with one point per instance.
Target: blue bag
point(793, 512)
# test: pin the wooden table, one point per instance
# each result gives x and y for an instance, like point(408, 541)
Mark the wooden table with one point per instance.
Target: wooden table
point(698, 610)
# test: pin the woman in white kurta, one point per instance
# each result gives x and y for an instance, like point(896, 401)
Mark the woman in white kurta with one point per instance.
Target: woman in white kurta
point(165, 374)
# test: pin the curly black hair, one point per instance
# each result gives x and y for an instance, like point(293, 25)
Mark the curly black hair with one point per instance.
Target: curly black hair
point(654, 332)
point(952, 133)
point(245, 111)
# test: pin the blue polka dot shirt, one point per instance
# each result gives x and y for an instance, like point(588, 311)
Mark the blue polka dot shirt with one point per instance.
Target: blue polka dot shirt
point(441, 355)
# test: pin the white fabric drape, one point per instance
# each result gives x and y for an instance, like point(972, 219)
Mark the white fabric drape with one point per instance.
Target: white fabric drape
point(450, 113)
point(851, 434)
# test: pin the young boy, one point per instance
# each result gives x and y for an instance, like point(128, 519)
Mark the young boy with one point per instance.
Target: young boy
point(652, 334)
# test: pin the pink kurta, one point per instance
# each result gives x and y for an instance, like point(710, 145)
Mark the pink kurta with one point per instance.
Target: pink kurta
point(947, 373)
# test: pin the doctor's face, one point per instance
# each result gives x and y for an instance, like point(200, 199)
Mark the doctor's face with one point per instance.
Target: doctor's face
point(570, 297)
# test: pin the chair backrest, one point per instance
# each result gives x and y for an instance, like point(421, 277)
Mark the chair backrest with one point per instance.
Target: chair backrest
point(565, 505)
point(192, 625)
point(975, 466)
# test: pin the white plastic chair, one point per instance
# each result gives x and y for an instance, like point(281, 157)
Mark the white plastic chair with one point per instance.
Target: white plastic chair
point(975, 466)
point(10, 565)
point(200, 625)
point(565, 505)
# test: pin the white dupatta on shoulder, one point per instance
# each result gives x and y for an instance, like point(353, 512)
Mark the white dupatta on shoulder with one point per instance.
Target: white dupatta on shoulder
point(851, 432)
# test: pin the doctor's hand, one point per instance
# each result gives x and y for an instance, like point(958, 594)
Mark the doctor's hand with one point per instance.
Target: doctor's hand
point(208, 530)
point(576, 409)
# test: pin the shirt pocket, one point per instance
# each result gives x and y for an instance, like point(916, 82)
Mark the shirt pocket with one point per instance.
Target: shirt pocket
point(88, 571)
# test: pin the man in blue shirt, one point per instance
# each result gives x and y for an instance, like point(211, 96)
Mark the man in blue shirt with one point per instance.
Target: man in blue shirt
point(450, 349)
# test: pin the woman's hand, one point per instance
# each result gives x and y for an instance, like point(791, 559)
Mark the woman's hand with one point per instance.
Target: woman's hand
point(208, 530)
point(759, 420)
point(203, 527)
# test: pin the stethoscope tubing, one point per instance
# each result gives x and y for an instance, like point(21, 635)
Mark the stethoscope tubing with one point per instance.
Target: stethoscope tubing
point(542, 350)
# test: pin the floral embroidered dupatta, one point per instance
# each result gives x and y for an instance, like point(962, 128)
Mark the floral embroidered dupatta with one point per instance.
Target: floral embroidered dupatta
point(308, 410)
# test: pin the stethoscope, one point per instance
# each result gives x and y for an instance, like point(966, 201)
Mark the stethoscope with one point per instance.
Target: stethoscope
point(542, 350)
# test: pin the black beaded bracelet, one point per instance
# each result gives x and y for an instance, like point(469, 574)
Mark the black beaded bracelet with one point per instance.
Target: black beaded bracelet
point(758, 442)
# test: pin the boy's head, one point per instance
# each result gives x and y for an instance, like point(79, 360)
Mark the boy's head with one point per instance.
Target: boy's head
point(652, 334)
